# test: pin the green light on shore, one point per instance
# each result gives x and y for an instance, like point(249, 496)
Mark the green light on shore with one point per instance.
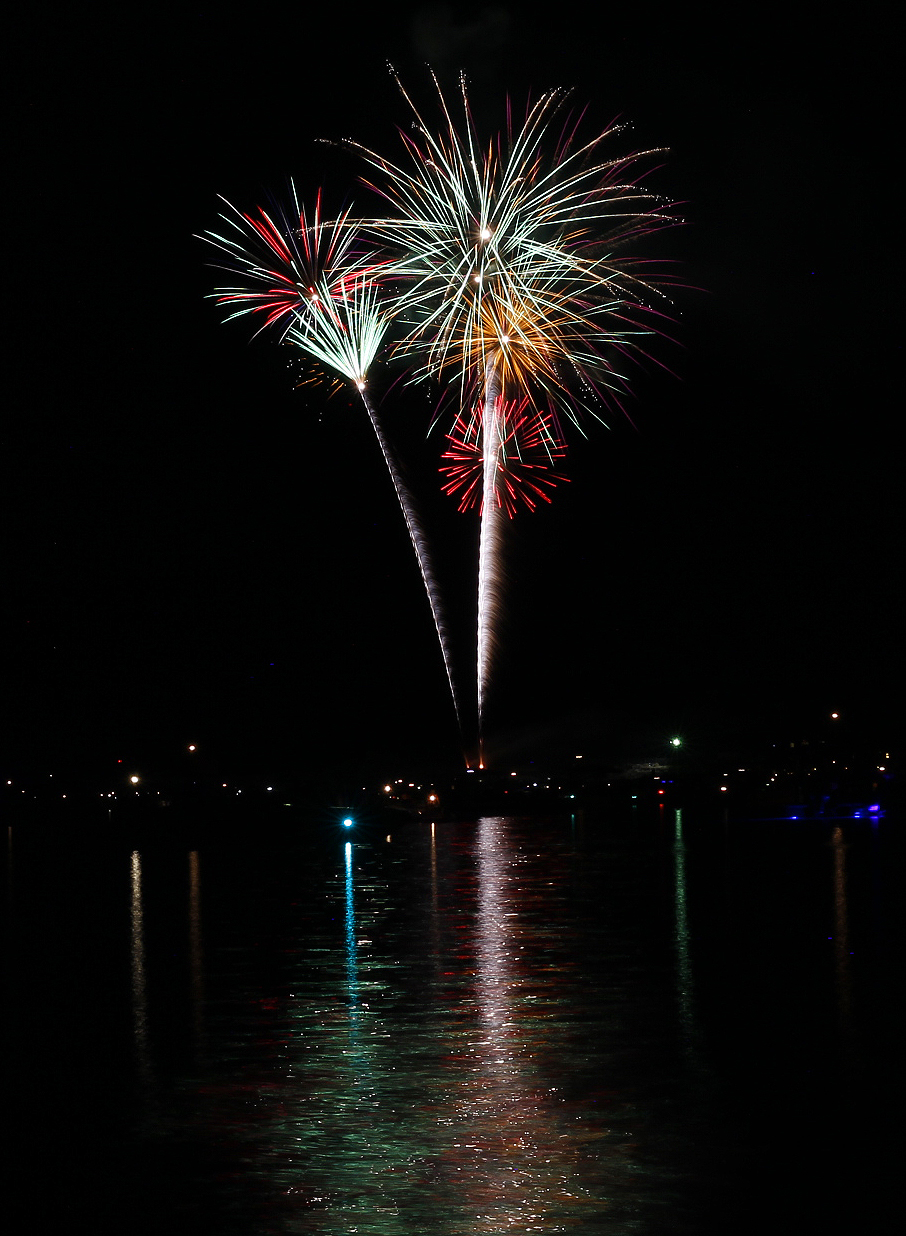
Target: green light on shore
point(676, 742)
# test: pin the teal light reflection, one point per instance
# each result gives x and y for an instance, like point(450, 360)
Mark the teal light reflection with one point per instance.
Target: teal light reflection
point(352, 961)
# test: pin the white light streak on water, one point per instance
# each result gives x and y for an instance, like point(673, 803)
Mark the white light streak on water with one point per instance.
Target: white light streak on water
point(682, 937)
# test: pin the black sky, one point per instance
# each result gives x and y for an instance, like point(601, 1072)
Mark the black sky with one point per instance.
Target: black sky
point(197, 551)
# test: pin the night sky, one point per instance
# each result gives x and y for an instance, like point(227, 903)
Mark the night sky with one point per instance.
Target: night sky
point(197, 551)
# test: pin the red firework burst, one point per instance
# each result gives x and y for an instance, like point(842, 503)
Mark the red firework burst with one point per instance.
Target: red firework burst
point(529, 450)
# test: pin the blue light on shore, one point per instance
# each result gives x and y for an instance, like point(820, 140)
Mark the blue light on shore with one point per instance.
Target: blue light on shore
point(347, 823)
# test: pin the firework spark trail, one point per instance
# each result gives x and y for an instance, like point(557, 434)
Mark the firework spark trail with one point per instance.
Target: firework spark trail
point(347, 341)
point(419, 544)
point(328, 301)
point(503, 459)
point(490, 579)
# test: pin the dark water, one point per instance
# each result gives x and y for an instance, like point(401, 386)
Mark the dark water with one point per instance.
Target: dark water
point(586, 1026)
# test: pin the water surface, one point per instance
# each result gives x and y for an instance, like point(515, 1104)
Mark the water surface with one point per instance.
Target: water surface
point(609, 1026)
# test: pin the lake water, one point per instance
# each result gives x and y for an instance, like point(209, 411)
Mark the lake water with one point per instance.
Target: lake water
point(631, 1024)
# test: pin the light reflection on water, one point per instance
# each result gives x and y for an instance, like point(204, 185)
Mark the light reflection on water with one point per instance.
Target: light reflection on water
point(480, 1027)
point(417, 1054)
point(139, 981)
point(683, 937)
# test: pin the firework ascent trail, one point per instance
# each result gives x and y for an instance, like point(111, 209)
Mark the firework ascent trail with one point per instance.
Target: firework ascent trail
point(419, 544)
point(489, 551)
point(326, 298)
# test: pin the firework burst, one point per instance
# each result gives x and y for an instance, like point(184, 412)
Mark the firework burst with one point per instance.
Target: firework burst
point(517, 251)
point(282, 260)
point(529, 451)
point(505, 269)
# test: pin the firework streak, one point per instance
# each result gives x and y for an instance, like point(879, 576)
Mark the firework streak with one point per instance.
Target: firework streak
point(489, 555)
point(419, 544)
point(327, 302)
